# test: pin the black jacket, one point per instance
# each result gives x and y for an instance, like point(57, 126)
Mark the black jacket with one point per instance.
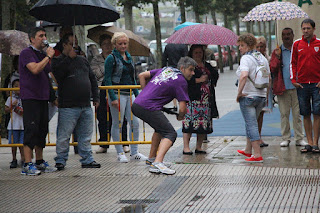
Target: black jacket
point(76, 81)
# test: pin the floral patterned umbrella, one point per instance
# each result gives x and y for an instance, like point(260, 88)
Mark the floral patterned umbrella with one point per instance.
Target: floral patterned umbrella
point(13, 41)
point(275, 11)
point(203, 34)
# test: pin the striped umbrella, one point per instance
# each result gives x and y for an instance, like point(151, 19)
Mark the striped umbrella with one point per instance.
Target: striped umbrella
point(275, 11)
point(203, 34)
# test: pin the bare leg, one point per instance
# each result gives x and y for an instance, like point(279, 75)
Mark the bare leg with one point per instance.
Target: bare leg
point(308, 128)
point(14, 153)
point(39, 153)
point(21, 153)
point(260, 122)
point(186, 141)
point(163, 149)
point(248, 148)
point(156, 138)
point(316, 126)
point(256, 148)
point(27, 154)
point(200, 138)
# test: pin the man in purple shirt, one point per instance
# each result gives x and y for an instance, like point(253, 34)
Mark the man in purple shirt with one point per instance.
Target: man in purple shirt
point(35, 90)
point(165, 84)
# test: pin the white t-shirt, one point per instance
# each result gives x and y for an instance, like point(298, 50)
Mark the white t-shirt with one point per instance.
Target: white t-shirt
point(16, 118)
point(248, 64)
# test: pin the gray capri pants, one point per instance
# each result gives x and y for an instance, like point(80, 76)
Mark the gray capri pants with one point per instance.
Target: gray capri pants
point(157, 120)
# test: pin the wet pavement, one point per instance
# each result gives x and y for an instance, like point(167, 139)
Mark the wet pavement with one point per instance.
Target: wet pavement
point(221, 181)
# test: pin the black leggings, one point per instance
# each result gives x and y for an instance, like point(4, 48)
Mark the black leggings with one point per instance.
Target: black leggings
point(157, 120)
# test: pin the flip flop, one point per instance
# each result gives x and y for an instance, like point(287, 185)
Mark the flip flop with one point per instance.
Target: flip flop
point(306, 149)
point(315, 149)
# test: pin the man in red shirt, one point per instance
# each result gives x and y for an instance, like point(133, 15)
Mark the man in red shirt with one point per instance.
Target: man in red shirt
point(305, 76)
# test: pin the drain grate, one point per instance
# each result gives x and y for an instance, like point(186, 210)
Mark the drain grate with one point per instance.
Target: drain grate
point(139, 201)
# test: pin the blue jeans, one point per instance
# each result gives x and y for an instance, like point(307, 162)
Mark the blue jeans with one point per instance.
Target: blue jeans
point(125, 110)
point(250, 108)
point(309, 93)
point(79, 120)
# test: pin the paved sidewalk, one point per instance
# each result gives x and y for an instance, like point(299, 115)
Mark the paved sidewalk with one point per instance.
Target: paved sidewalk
point(220, 181)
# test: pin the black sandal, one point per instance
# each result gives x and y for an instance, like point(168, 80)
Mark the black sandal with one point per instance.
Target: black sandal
point(306, 149)
point(315, 149)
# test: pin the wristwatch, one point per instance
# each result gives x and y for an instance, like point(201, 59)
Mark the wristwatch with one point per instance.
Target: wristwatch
point(48, 57)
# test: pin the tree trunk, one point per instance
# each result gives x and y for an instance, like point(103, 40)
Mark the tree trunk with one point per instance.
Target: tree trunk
point(197, 16)
point(128, 20)
point(6, 64)
point(230, 61)
point(158, 31)
point(220, 63)
point(182, 10)
point(269, 37)
point(248, 27)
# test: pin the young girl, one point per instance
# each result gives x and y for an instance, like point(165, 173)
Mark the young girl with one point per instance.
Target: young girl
point(15, 126)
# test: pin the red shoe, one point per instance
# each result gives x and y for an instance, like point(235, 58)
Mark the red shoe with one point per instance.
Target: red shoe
point(253, 159)
point(243, 153)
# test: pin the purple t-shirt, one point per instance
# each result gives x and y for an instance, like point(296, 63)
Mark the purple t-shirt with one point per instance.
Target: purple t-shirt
point(33, 86)
point(165, 85)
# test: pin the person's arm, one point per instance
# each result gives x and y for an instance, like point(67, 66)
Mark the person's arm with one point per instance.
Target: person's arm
point(182, 110)
point(143, 78)
point(275, 61)
point(242, 82)
point(94, 88)
point(108, 68)
point(36, 68)
point(293, 66)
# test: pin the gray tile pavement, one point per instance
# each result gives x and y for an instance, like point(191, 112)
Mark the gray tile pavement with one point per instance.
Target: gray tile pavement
point(220, 181)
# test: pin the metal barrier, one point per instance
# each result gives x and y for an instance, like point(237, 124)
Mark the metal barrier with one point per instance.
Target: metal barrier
point(108, 142)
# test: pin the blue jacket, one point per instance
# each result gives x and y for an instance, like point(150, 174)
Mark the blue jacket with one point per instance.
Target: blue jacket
point(115, 65)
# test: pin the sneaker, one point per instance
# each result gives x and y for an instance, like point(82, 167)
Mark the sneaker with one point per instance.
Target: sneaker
point(30, 169)
point(93, 164)
point(45, 167)
point(122, 158)
point(243, 153)
point(161, 168)
point(126, 149)
point(301, 143)
point(285, 143)
point(59, 166)
point(205, 141)
point(101, 150)
point(138, 156)
point(13, 164)
point(150, 161)
point(254, 159)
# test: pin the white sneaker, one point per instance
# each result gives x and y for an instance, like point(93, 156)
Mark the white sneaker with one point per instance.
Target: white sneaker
point(126, 149)
point(122, 158)
point(284, 143)
point(138, 156)
point(301, 143)
point(101, 150)
point(161, 168)
point(150, 161)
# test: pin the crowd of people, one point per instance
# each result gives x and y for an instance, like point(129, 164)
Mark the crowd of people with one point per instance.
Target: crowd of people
point(291, 73)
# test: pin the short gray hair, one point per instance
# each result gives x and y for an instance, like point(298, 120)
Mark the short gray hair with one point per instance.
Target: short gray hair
point(186, 62)
point(118, 35)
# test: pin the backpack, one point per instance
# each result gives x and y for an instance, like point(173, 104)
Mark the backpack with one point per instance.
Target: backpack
point(261, 73)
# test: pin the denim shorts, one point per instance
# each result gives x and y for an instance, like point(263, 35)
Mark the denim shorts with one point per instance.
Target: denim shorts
point(307, 95)
point(250, 108)
point(17, 136)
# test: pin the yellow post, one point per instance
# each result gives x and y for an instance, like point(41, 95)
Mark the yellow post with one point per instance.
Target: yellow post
point(131, 115)
point(120, 126)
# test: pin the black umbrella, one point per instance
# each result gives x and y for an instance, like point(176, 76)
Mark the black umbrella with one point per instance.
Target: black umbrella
point(75, 12)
